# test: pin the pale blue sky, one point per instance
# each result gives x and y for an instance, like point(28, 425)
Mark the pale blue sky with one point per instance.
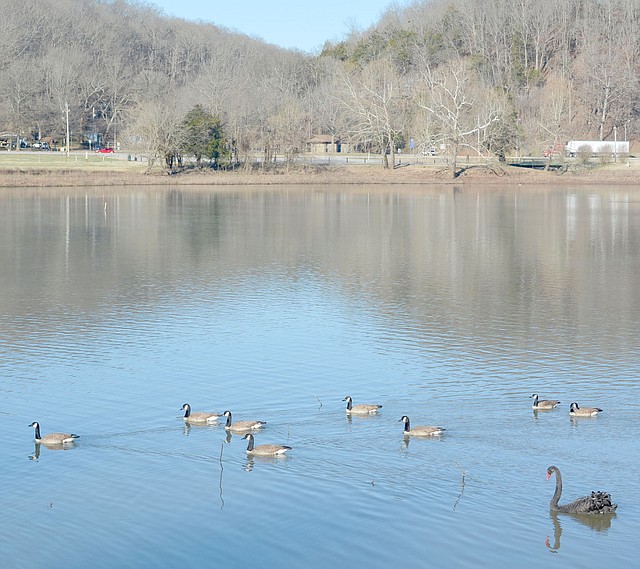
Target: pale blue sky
point(301, 24)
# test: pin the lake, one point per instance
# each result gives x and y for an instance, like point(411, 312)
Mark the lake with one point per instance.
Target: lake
point(451, 305)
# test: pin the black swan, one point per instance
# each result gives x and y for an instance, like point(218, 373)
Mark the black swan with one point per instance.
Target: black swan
point(596, 503)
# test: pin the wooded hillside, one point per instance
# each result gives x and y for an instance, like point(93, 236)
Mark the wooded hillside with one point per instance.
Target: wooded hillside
point(490, 76)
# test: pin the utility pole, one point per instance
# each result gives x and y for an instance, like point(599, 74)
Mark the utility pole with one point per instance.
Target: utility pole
point(68, 138)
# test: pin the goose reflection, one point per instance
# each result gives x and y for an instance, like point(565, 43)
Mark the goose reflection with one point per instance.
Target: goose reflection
point(537, 413)
point(252, 460)
point(188, 427)
point(575, 421)
point(601, 523)
point(36, 453)
point(406, 441)
point(38, 449)
point(359, 418)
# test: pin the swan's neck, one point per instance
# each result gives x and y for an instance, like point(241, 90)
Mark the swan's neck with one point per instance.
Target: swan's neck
point(250, 445)
point(558, 492)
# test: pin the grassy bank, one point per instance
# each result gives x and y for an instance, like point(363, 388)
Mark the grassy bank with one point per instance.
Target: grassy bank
point(50, 169)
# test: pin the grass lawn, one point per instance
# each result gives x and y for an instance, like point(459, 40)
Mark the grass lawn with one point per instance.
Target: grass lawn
point(23, 161)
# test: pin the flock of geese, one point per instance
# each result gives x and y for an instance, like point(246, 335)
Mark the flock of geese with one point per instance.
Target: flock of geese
point(596, 503)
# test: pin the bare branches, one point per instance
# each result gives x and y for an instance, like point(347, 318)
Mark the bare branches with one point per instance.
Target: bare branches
point(460, 107)
point(374, 104)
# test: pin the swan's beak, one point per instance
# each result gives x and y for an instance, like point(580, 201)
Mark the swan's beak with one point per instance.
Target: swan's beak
point(548, 475)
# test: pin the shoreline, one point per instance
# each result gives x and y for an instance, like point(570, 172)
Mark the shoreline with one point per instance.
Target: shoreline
point(611, 174)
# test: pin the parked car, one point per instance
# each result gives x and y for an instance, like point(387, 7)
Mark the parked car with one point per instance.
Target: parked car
point(105, 150)
point(558, 149)
point(429, 151)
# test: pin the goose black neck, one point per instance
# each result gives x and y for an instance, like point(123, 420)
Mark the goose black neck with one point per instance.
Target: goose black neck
point(250, 445)
point(228, 423)
point(187, 411)
point(349, 404)
point(37, 431)
point(407, 425)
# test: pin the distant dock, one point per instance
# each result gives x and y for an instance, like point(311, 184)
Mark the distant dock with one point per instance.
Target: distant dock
point(536, 163)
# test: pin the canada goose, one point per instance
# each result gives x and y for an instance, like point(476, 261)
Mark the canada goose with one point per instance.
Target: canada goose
point(52, 438)
point(543, 404)
point(240, 426)
point(264, 450)
point(198, 417)
point(576, 411)
point(361, 409)
point(420, 431)
point(596, 503)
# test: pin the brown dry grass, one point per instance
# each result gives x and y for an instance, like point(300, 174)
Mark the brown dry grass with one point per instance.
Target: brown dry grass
point(119, 173)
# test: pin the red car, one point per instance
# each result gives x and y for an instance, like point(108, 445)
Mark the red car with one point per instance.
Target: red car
point(105, 151)
point(557, 149)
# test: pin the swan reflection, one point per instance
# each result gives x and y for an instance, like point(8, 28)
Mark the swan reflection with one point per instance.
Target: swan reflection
point(557, 533)
point(597, 522)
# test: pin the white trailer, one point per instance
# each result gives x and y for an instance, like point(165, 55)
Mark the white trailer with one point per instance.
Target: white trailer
point(597, 147)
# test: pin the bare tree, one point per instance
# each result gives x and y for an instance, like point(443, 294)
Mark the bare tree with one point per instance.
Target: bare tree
point(17, 92)
point(457, 107)
point(156, 131)
point(555, 113)
point(373, 101)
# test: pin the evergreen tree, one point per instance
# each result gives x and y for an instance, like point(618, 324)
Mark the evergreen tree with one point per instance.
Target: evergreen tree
point(203, 136)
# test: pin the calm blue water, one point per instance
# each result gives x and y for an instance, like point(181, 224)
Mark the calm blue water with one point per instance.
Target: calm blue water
point(450, 305)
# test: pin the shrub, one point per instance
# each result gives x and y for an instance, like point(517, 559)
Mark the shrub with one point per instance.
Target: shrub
point(606, 155)
point(584, 153)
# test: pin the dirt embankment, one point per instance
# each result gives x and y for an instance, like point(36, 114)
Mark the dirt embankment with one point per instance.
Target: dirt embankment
point(617, 174)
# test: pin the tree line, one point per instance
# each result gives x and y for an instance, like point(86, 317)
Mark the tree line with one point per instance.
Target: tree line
point(492, 77)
